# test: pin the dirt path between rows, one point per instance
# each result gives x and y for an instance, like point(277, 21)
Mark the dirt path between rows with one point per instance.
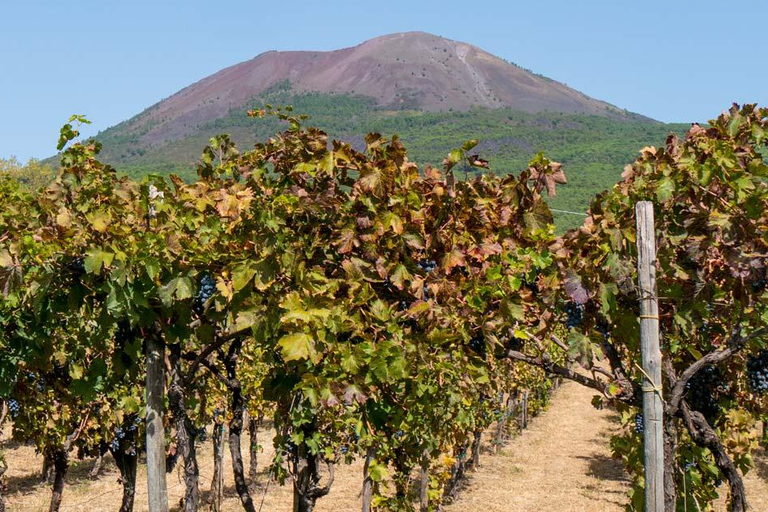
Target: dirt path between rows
point(562, 462)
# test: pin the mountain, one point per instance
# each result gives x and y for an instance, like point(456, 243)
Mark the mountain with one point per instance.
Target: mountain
point(434, 92)
point(408, 71)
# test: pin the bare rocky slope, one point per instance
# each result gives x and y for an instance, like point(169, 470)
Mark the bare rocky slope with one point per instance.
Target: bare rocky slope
point(413, 70)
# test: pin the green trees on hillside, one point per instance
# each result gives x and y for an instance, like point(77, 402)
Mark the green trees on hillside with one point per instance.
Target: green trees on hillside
point(33, 175)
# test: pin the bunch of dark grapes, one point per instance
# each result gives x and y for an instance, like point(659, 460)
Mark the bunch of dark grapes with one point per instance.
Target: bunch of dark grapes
point(202, 434)
point(575, 312)
point(515, 343)
point(205, 290)
point(125, 436)
point(757, 372)
point(639, 423)
point(477, 345)
point(14, 408)
point(603, 328)
point(702, 390)
point(77, 265)
point(427, 265)
point(290, 449)
point(119, 436)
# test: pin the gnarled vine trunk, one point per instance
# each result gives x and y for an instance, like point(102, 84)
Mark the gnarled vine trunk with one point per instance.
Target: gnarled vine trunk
point(127, 462)
point(505, 408)
point(3, 464)
point(236, 426)
point(185, 432)
point(670, 464)
point(705, 436)
point(306, 481)
point(217, 482)
point(60, 466)
point(103, 450)
point(253, 465)
point(457, 471)
point(478, 434)
point(3, 469)
point(47, 473)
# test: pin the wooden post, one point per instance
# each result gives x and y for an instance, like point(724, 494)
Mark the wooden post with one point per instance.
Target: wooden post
point(653, 432)
point(424, 482)
point(368, 481)
point(524, 411)
point(156, 485)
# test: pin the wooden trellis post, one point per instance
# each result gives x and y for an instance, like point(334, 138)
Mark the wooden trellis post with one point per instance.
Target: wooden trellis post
point(653, 407)
point(156, 486)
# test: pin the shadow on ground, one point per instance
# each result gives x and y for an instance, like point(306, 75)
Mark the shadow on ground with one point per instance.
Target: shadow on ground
point(79, 471)
point(605, 468)
point(761, 463)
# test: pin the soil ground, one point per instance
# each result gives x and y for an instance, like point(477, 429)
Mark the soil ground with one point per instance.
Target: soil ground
point(561, 463)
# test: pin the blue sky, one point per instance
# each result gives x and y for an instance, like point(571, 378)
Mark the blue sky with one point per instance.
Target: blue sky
point(673, 61)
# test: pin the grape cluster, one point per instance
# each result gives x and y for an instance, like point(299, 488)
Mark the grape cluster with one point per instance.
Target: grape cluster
point(125, 436)
point(575, 312)
point(290, 449)
point(477, 345)
point(77, 265)
point(206, 289)
point(515, 343)
point(14, 408)
point(603, 328)
point(702, 390)
point(114, 445)
point(639, 423)
point(757, 372)
point(202, 434)
point(427, 265)
point(399, 434)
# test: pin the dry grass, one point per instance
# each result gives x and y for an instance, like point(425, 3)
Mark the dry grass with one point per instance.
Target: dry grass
point(561, 463)
point(81, 494)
